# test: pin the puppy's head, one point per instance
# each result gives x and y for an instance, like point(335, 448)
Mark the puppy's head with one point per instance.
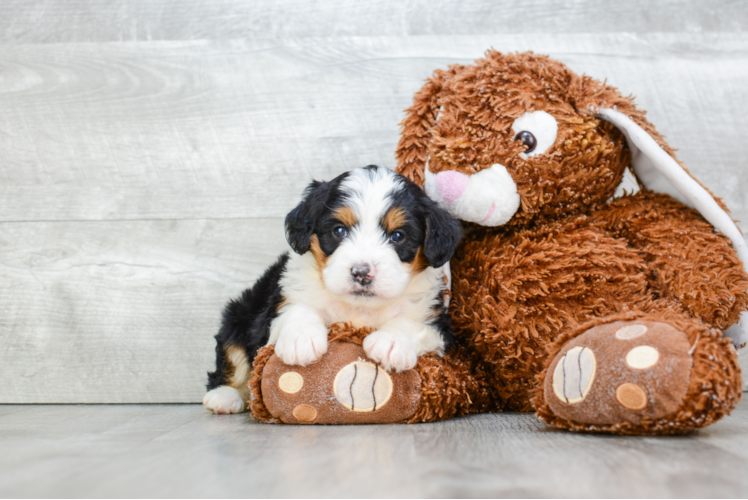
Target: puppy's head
point(371, 231)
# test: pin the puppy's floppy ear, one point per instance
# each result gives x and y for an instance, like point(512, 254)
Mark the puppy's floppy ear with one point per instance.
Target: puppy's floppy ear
point(301, 221)
point(443, 233)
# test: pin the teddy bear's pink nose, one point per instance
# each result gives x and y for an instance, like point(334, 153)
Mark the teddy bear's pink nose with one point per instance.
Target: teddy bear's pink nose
point(450, 184)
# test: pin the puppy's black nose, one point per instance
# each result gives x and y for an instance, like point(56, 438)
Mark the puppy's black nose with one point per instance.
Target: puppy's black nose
point(360, 273)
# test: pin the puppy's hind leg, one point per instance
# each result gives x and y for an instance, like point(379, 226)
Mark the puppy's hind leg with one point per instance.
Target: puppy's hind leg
point(228, 391)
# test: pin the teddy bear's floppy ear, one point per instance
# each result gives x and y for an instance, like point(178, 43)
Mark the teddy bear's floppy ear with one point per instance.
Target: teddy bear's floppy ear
point(652, 159)
point(654, 164)
point(411, 152)
point(658, 170)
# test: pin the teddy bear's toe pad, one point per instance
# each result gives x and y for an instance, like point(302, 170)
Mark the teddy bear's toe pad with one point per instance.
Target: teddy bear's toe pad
point(620, 372)
point(363, 386)
point(574, 374)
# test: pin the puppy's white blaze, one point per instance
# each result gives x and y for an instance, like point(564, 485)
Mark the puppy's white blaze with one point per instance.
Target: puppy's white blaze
point(489, 199)
point(391, 275)
point(369, 190)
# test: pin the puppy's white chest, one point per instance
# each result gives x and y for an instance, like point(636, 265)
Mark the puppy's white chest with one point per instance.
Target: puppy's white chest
point(339, 311)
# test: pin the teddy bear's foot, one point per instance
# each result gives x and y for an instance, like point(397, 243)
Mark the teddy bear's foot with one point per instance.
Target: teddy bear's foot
point(346, 387)
point(640, 376)
point(343, 387)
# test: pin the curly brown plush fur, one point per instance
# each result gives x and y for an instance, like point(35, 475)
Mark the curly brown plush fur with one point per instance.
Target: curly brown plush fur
point(570, 254)
point(515, 291)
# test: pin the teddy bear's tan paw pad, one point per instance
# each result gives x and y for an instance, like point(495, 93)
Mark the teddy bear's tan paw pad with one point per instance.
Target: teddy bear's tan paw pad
point(290, 382)
point(620, 372)
point(631, 396)
point(362, 386)
point(574, 374)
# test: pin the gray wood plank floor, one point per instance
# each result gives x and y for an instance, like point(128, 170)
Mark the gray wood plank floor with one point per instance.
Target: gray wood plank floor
point(149, 150)
point(182, 451)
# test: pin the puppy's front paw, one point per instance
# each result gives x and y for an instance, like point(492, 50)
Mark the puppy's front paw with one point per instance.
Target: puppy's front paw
point(224, 399)
point(301, 344)
point(394, 351)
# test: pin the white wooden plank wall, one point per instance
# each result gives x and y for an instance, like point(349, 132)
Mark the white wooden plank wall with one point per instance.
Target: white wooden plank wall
point(150, 150)
point(50, 21)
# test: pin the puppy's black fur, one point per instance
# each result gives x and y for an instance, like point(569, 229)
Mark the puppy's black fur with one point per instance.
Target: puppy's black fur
point(428, 225)
point(246, 320)
point(314, 214)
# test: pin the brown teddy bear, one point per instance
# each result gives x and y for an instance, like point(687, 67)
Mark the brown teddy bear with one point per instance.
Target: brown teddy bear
point(597, 275)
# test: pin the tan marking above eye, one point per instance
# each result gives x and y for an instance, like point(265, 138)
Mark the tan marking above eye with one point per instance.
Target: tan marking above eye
point(394, 219)
point(346, 216)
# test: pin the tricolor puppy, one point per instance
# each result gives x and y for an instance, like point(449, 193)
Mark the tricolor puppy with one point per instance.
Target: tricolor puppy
point(369, 247)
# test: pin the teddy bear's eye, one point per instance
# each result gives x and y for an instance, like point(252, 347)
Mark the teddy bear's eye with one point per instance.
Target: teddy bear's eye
point(528, 139)
point(537, 130)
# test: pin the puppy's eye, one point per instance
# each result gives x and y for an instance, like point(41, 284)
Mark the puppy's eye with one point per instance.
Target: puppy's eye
point(397, 237)
point(340, 231)
point(528, 139)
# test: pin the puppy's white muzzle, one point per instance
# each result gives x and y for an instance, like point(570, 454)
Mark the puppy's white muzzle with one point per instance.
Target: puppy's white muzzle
point(488, 198)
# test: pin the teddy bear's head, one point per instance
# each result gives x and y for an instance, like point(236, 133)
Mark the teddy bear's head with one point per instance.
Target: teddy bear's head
point(516, 138)
point(510, 140)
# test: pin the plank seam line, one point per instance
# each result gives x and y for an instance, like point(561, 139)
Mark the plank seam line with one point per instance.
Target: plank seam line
point(142, 219)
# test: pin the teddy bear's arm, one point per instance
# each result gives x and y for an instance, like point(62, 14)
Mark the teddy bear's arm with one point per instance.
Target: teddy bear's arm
point(689, 261)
